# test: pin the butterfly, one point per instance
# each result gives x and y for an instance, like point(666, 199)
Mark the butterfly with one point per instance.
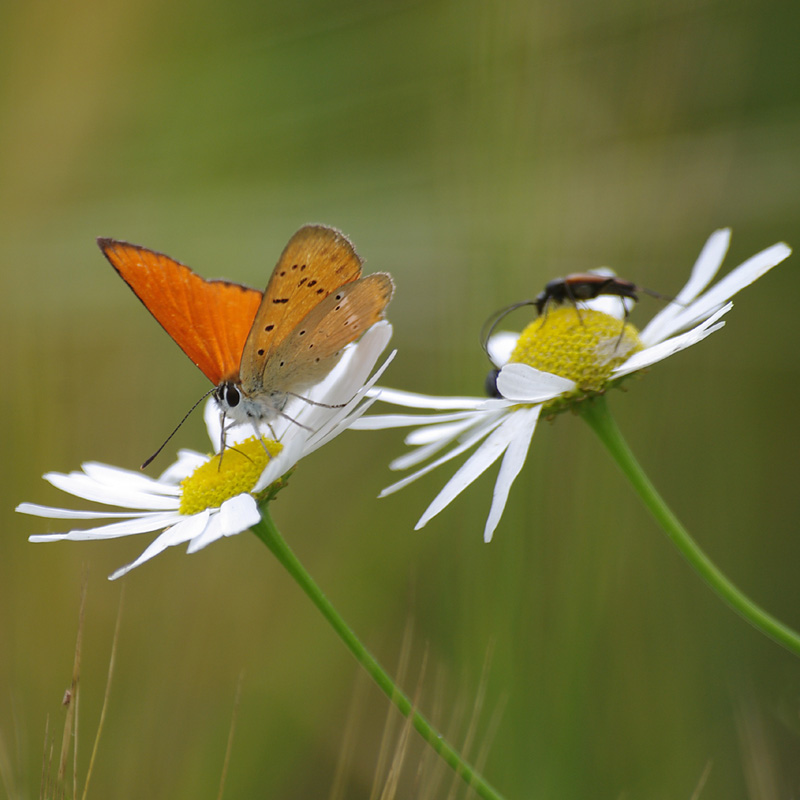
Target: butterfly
point(261, 349)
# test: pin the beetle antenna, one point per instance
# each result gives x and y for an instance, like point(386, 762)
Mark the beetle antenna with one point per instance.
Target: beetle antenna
point(496, 318)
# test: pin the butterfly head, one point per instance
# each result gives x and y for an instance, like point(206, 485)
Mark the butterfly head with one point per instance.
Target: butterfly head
point(238, 406)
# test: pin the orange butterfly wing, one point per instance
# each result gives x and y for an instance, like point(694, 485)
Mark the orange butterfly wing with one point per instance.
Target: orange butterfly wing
point(311, 350)
point(208, 320)
point(317, 261)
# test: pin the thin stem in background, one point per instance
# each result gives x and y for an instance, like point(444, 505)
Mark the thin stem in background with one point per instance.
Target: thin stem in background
point(268, 533)
point(602, 423)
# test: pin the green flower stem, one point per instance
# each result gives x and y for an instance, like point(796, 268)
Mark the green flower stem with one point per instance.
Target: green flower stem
point(596, 413)
point(268, 533)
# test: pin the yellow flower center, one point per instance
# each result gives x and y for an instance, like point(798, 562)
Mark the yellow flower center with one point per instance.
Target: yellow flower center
point(234, 471)
point(581, 344)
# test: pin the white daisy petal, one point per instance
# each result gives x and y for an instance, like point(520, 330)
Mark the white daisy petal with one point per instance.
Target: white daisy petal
point(81, 485)
point(67, 513)
point(282, 463)
point(188, 461)
point(705, 268)
point(334, 428)
point(496, 404)
point(346, 419)
point(346, 416)
point(616, 307)
point(181, 532)
point(430, 441)
point(213, 419)
point(479, 424)
point(438, 431)
point(238, 514)
point(480, 433)
point(331, 431)
point(500, 346)
point(651, 355)
point(189, 528)
point(472, 468)
point(524, 424)
point(116, 478)
point(707, 265)
point(733, 282)
point(211, 532)
point(525, 384)
point(385, 421)
point(142, 523)
point(414, 400)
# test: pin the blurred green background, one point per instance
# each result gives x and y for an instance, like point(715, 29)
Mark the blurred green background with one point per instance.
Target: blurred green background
point(474, 150)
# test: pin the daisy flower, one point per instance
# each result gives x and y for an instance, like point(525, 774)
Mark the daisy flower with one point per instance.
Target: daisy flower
point(566, 355)
point(201, 498)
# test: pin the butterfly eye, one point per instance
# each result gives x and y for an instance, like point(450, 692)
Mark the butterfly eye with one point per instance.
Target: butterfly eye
point(232, 396)
point(227, 394)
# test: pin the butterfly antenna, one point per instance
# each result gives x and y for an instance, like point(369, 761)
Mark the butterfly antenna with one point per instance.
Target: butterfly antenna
point(177, 427)
point(496, 318)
